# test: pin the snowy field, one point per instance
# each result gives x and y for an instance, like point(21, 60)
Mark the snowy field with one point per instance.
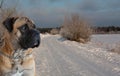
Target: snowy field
point(57, 56)
point(106, 40)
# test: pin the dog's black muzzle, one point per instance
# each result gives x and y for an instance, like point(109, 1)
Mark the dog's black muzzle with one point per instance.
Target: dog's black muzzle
point(30, 39)
point(36, 38)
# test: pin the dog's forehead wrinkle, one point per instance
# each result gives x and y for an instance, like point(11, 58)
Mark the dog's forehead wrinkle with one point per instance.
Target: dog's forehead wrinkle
point(26, 19)
point(22, 21)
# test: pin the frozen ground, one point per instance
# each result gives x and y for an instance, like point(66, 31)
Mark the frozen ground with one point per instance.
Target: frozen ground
point(106, 40)
point(59, 57)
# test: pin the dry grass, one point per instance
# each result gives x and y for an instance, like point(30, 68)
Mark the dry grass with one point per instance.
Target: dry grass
point(6, 12)
point(76, 29)
point(54, 31)
point(116, 49)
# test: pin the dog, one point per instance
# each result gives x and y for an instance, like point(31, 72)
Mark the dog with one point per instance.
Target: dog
point(18, 36)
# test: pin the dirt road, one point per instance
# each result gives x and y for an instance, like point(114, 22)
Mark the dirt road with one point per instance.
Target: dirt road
point(55, 57)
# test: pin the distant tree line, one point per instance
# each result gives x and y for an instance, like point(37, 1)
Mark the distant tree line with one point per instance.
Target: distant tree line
point(106, 29)
point(96, 29)
point(47, 30)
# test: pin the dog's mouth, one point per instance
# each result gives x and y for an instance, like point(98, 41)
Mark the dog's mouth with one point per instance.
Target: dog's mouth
point(32, 44)
point(35, 44)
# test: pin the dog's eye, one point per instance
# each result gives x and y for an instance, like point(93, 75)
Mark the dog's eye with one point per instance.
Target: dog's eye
point(24, 27)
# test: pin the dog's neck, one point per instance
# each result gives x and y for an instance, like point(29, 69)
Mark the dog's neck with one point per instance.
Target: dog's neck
point(11, 47)
point(17, 61)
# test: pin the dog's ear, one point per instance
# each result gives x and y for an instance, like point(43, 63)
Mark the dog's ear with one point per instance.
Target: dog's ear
point(8, 23)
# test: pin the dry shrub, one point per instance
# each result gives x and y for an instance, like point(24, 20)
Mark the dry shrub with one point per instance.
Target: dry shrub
point(116, 49)
point(76, 29)
point(6, 12)
point(54, 31)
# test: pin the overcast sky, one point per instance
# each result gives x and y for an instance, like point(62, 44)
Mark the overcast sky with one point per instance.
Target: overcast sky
point(51, 13)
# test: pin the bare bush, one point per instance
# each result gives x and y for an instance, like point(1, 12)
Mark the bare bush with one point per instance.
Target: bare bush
point(76, 29)
point(116, 49)
point(54, 31)
point(7, 12)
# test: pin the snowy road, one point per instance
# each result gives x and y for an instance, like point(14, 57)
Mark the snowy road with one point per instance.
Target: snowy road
point(56, 57)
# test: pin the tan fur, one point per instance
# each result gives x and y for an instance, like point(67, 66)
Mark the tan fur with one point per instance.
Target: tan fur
point(8, 47)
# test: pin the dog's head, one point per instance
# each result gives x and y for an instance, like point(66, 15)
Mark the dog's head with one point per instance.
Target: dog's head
point(23, 31)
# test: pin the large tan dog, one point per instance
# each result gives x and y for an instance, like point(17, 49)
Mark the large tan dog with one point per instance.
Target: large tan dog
point(17, 38)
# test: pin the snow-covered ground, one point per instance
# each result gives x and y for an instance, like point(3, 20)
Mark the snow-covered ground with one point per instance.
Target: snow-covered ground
point(57, 56)
point(107, 40)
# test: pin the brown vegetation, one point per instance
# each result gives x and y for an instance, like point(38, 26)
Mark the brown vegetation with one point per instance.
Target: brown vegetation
point(76, 29)
point(116, 49)
point(7, 12)
point(54, 31)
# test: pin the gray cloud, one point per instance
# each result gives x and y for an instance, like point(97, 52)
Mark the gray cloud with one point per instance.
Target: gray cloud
point(52, 12)
point(89, 5)
point(101, 12)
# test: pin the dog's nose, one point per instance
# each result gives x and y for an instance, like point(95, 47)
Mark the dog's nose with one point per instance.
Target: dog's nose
point(36, 36)
point(36, 41)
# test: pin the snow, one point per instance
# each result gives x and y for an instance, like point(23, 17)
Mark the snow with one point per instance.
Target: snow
point(107, 40)
point(60, 57)
point(44, 35)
